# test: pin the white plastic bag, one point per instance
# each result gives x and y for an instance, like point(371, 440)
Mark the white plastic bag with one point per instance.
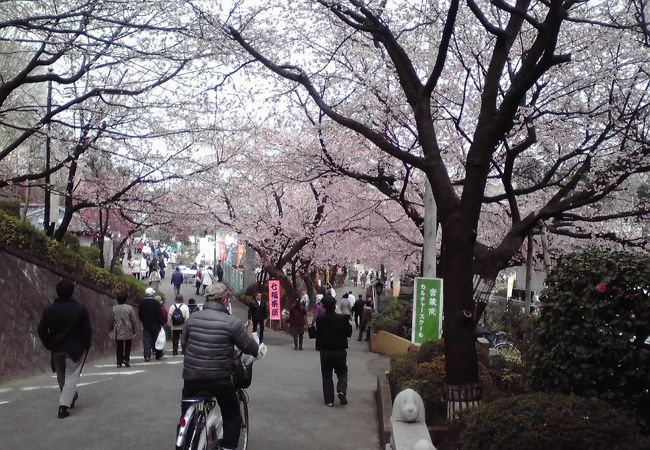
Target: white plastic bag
point(161, 340)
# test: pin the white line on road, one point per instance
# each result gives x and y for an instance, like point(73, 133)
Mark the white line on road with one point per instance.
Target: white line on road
point(2, 391)
point(123, 372)
point(4, 403)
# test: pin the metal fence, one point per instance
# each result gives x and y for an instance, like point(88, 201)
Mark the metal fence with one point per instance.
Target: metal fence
point(233, 278)
point(498, 307)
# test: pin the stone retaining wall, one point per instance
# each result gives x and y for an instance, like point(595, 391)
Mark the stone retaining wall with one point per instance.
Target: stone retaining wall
point(25, 290)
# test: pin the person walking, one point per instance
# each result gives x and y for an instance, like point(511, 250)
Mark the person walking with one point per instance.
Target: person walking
point(332, 333)
point(192, 306)
point(345, 305)
point(144, 268)
point(177, 280)
point(165, 318)
point(65, 331)
point(257, 314)
point(206, 280)
point(219, 272)
point(366, 317)
point(297, 324)
point(150, 314)
point(154, 277)
point(198, 279)
point(123, 324)
point(318, 307)
point(209, 339)
point(358, 310)
point(178, 314)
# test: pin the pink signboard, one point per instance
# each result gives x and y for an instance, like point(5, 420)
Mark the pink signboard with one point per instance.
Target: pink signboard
point(274, 300)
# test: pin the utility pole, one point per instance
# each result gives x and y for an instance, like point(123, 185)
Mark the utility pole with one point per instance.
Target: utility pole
point(46, 213)
point(430, 225)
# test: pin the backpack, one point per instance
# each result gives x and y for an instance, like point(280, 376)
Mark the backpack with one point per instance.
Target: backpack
point(177, 316)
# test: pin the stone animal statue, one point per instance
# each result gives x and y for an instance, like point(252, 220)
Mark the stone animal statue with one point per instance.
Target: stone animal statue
point(408, 407)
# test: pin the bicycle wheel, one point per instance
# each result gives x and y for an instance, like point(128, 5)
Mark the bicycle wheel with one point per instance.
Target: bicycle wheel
point(243, 411)
point(507, 350)
point(199, 436)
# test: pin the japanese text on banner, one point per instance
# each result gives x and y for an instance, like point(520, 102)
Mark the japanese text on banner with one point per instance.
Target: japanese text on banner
point(427, 310)
point(274, 300)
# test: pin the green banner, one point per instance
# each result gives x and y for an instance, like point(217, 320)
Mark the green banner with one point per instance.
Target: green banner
point(427, 310)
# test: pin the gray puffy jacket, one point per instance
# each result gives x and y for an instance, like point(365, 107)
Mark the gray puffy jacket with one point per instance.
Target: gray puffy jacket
point(208, 339)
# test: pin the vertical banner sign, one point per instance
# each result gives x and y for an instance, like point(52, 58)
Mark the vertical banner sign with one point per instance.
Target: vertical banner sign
point(427, 310)
point(274, 300)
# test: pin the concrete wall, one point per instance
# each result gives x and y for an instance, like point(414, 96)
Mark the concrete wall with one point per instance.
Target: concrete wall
point(25, 290)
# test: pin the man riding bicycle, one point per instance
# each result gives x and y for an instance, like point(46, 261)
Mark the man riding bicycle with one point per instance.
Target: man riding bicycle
point(208, 367)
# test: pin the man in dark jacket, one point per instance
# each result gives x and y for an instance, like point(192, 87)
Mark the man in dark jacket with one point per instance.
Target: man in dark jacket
point(219, 272)
point(65, 330)
point(332, 333)
point(151, 316)
point(208, 339)
point(177, 280)
point(257, 314)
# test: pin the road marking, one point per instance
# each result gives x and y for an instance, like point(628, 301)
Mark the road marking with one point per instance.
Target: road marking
point(108, 374)
point(5, 390)
point(4, 403)
point(34, 388)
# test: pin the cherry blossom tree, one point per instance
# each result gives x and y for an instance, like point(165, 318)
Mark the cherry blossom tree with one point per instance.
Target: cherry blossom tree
point(538, 110)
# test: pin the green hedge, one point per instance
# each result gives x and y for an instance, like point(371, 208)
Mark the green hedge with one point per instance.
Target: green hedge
point(591, 333)
point(11, 206)
point(394, 317)
point(545, 422)
point(28, 240)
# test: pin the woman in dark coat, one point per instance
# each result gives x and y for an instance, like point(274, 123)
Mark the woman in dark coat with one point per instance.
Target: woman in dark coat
point(297, 324)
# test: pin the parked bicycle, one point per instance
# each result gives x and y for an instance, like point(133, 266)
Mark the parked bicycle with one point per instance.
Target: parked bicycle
point(500, 343)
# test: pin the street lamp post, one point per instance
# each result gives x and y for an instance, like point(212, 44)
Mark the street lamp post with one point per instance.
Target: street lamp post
point(46, 213)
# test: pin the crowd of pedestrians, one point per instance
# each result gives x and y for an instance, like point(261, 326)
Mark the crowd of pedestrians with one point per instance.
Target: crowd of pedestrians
point(65, 327)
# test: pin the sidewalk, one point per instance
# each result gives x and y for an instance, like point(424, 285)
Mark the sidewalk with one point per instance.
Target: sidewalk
point(286, 401)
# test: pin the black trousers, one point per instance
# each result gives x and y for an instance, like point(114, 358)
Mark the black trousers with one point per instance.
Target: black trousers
point(333, 360)
point(261, 324)
point(226, 398)
point(176, 335)
point(123, 351)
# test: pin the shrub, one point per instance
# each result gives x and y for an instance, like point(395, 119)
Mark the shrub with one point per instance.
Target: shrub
point(18, 235)
point(431, 349)
point(394, 317)
point(427, 379)
point(595, 317)
point(90, 254)
point(402, 368)
point(10, 206)
point(508, 376)
point(545, 422)
point(71, 241)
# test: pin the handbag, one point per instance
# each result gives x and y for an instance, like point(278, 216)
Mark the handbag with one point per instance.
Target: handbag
point(243, 374)
point(161, 340)
point(311, 331)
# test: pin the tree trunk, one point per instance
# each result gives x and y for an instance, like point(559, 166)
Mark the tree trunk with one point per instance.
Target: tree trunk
point(458, 327)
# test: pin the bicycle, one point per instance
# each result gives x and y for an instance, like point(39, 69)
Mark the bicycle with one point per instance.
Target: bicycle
point(500, 343)
point(202, 426)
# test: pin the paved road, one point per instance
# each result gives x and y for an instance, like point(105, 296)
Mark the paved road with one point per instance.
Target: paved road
point(138, 408)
